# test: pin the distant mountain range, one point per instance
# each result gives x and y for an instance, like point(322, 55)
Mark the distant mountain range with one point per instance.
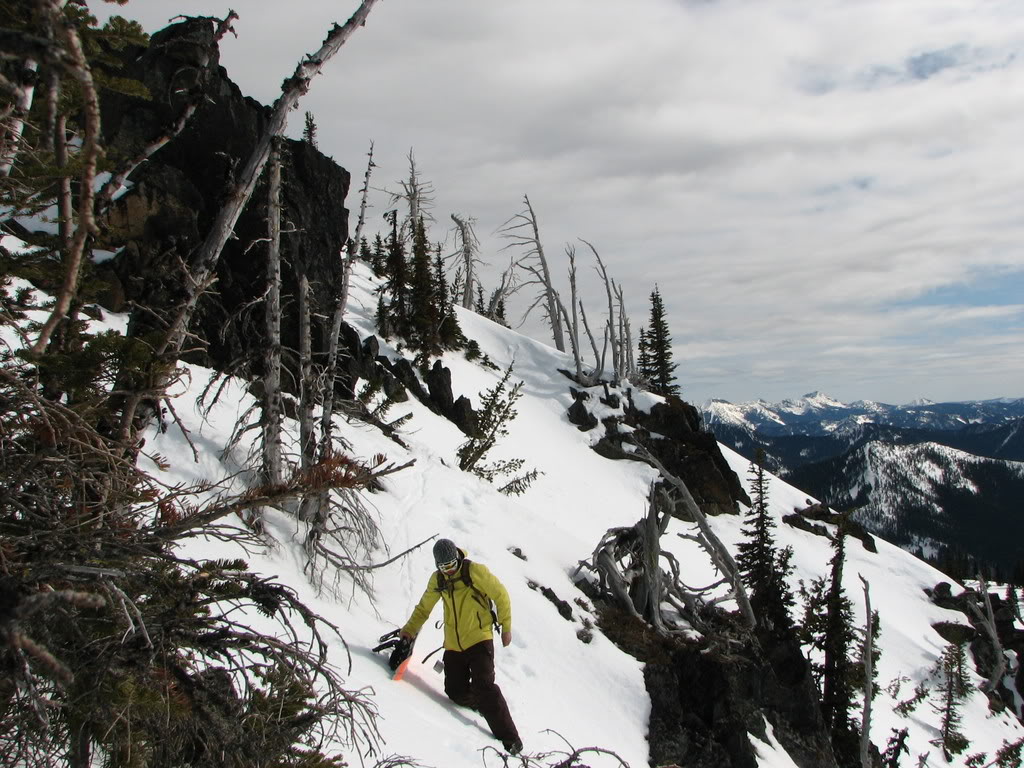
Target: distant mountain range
point(818, 414)
point(925, 475)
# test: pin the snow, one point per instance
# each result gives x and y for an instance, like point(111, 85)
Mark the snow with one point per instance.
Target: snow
point(14, 244)
point(770, 753)
point(560, 690)
point(103, 178)
point(99, 256)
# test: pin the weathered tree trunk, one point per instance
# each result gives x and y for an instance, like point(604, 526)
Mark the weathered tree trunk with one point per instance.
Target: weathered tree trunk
point(309, 507)
point(719, 553)
point(316, 509)
point(417, 195)
point(626, 335)
point(65, 209)
point(272, 415)
point(651, 579)
point(988, 622)
point(11, 144)
point(507, 286)
point(469, 248)
point(307, 378)
point(551, 295)
point(341, 304)
point(598, 357)
point(573, 322)
point(612, 335)
point(867, 653)
point(535, 262)
point(74, 253)
point(628, 563)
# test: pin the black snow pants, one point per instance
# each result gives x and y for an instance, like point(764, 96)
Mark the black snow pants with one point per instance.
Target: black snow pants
point(469, 682)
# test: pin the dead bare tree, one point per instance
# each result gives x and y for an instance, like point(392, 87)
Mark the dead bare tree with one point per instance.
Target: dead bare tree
point(573, 322)
point(416, 194)
point(325, 445)
point(74, 250)
point(867, 659)
point(508, 284)
point(273, 470)
point(988, 623)
point(628, 562)
point(610, 324)
point(468, 249)
point(705, 537)
point(22, 90)
point(349, 257)
point(308, 389)
point(626, 335)
point(598, 357)
point(534, 263)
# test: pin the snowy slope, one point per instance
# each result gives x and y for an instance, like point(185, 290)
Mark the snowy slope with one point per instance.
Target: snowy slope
point(560, 690)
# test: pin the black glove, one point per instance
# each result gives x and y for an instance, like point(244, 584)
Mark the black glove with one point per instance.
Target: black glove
point(401, 647)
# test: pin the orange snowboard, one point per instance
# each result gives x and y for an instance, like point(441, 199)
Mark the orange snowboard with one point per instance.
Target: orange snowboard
point(400, 672)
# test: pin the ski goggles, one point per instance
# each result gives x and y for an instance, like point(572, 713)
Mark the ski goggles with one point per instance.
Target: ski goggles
point(448, 568)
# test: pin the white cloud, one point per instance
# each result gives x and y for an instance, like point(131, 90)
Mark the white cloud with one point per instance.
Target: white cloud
point(790, 174)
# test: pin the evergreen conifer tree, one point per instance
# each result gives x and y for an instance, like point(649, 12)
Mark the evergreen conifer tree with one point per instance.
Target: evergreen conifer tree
point(450, 334)
point(424, 319)
point(838, 672)
point(644, 365)
point(496, 412)
point(1011, 601)
point(309, 130)
point(895, 747)
point(660, 344)
point(379, 256)
point(953, 687)
point(764, 568)
point(499, 313)
point(396, 280)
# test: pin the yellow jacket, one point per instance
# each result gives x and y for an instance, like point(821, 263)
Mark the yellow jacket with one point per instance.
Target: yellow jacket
point(467, 616)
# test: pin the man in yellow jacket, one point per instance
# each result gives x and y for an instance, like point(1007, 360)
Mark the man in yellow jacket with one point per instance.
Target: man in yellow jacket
point(466, 589)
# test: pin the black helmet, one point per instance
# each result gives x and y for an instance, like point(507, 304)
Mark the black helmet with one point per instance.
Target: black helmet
point(445, 551)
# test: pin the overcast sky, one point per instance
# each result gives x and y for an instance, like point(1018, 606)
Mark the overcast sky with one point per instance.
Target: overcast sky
point(830, 195)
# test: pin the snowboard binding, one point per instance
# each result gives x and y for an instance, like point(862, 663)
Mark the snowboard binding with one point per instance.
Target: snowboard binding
point(401, 651)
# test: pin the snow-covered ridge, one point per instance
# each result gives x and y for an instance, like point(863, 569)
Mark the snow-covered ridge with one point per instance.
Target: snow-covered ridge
point(817, 413)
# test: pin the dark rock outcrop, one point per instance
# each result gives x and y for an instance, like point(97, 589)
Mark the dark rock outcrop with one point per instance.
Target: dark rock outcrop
point(799, 519)
point(176, 194)
point(157, 225)
point(705, 702)
point(458, 411)
point(672, 432)
point(971, 604)
point(578, 412)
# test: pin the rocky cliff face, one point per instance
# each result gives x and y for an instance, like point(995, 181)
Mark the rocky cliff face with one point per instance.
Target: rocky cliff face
point(176, 194)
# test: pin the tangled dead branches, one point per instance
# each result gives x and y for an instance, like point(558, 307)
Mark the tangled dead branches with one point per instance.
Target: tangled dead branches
point(112, 642)
point(570, 757)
